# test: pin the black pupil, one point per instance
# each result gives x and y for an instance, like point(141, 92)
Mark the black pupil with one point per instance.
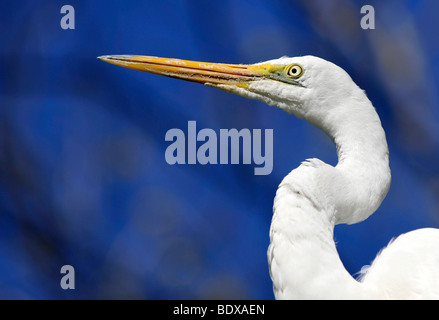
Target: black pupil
point(294, 70)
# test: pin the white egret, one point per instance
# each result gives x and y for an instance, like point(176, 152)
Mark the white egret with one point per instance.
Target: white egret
point(312, 199)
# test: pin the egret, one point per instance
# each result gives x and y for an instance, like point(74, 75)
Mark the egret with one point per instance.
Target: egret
point(313, 198)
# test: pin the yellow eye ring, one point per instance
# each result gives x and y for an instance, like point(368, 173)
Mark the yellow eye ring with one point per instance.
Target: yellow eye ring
point(294, 71)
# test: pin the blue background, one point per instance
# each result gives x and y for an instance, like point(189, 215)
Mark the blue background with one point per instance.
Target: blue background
point(83, 177)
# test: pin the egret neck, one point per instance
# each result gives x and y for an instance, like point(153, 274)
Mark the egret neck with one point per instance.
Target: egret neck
point(312, 199)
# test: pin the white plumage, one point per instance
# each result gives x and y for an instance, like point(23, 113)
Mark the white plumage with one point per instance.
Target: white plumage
point(312, 199)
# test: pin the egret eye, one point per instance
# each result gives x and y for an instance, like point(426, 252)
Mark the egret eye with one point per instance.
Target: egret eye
point(294, 71)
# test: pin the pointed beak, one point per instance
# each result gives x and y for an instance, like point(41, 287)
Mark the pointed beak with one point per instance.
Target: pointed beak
point(202, 72)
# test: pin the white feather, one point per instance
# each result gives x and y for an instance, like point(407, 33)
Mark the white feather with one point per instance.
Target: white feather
point(312, 199)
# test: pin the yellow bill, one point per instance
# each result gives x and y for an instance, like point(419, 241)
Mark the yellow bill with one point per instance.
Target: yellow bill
point(201, 72)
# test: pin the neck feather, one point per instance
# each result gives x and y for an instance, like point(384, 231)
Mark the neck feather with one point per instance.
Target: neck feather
point(363, 166)
point(303, 258)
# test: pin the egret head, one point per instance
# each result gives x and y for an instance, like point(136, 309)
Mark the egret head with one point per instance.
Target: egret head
point(304, 86)
point(310, 88)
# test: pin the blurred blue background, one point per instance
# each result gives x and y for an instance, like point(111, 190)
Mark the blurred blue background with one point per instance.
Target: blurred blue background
point(83, 177)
